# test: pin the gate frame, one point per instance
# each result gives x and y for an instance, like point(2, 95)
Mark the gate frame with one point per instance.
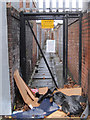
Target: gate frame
point(51, 16)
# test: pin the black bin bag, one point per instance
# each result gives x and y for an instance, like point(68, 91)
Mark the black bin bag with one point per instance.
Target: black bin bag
point(68, 103)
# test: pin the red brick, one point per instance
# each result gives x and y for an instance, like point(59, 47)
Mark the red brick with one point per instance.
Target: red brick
point(73, 50)
point(73, 40)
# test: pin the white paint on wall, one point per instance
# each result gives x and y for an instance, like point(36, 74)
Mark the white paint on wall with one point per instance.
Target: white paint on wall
point(5, 98)
point(0, 59)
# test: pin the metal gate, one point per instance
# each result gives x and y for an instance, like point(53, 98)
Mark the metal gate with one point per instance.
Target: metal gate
point(65, 15)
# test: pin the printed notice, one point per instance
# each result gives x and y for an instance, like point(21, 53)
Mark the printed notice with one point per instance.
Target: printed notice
point(50, 46)
point(47, 24)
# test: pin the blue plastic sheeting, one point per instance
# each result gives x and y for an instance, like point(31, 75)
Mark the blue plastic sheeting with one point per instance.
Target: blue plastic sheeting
point(44, 109)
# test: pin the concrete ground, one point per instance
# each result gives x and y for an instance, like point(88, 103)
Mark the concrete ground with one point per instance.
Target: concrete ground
point(42, 77)
point(59, 71)
point(0, 117)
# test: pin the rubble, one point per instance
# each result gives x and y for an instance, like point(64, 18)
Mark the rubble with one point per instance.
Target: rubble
point(49, 103)
point(71, 83)
point(26, 93)
point(43, 90)
point(57, 114)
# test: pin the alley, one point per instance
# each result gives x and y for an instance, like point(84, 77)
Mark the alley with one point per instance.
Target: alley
point(45, 59)
point(42, 77)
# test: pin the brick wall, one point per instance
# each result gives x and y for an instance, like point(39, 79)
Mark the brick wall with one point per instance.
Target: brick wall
point(89, 56)
point(40, 33)
point(58, 36)
point(73, 52)
point(86, 54)
point(42, 38)
point(39, 39)
point(29, 46)
point(61, 43)
point(73, 49)
point(34, 57)
point(13, 46)
point(14, 49)
point(57, 41)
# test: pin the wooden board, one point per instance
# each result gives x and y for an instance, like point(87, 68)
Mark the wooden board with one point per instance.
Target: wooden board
point(71, 91)
point(57, 114)
point(61, 115)
point(43, 90)
point(25, 91)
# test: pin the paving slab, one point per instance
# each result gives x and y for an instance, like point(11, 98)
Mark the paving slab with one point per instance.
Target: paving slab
point(43, 78)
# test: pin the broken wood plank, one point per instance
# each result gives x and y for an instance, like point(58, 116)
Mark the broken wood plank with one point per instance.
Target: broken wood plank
point(25, 91)
point(57, 114)
point(43, 90)
point(71, 91)
point(61, 115)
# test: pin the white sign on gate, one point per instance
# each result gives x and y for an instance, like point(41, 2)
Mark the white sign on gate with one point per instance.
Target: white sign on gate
point(50, 46)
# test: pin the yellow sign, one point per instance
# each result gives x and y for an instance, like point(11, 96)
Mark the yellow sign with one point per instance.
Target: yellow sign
point(46, 24)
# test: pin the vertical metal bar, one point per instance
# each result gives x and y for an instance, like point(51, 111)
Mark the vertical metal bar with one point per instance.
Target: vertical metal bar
point(77, 5)
point(63, 5)
point(80, 47)
point(50, 5)
point(24, 4)
point(37, 5)
point(30, 5)
point(38, 40)
point(70, 5)
point(57, 5)
point(44, 6)
point(28, 8)
point(64, 48)
point(43, 55)
point(21, 5)
point(42, 39)
point(18, 4)
point(22, 47)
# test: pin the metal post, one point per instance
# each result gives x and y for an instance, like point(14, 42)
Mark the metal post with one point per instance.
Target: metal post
point(80, 47)
point(77, 5)
point(37, 5)
point(57, 5)
point(63, 5)
point(24, 4)
point(70, 5)
point(22, 47)
point(28, 8)
point(30, 5)
point(64, 48)
point(42, 55)
point(21, 5)
point(44, 6)
point(50, 5)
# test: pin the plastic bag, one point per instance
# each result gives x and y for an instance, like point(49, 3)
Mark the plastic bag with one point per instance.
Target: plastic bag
point(68, 103)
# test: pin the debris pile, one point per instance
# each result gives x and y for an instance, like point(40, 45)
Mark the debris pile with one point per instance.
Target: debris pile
point(46, 103)
point(71, 83)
